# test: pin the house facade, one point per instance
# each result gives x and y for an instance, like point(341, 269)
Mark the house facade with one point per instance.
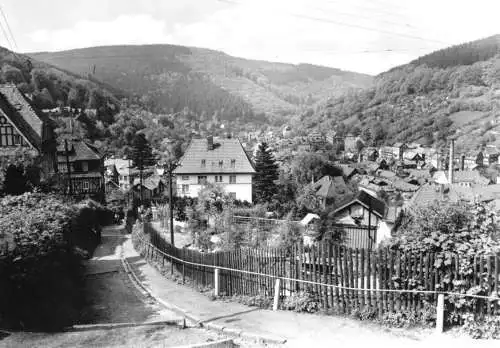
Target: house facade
point(22, 126)
point(218, 161)
point(82, 169)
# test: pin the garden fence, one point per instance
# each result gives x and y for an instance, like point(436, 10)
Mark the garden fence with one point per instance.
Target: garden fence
point(338, 278)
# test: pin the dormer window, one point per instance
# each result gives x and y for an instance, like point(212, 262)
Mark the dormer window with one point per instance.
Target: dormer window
point(203, 163)
point(233, 163)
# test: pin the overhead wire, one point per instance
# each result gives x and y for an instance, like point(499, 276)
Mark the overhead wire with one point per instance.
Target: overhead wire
point(353, 25)
point(4, 32)
point(8, 27)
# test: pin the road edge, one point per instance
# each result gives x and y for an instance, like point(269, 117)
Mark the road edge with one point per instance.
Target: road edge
point(198, 322)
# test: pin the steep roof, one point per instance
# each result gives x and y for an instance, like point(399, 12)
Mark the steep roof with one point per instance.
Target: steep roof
point(330, 186)
point(224, 151)
point(152, 182)
point(78, 151)
point(369, 202)
point(430, 193)
point(24, 117)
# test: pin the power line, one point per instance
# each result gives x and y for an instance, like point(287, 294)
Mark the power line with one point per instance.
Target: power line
point(8, 27)
point(6, 36)
point(406, 25)
point(351, 25)
point(388, 50)
point(357, 26)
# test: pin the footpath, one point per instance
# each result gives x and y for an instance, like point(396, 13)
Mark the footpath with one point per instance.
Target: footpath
point(280, 328)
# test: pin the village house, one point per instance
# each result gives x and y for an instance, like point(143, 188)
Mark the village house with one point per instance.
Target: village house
point(369, 154)
point(393, 152)
point(219, 161)
point(331, 190)
point(363, 221)
point(82, 166)
point(316, 139)
point(491, 154)
point(21, 126)
point(153, 188)
point(350, 143)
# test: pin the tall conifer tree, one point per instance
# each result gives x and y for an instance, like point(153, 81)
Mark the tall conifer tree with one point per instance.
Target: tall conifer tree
point(266, 174)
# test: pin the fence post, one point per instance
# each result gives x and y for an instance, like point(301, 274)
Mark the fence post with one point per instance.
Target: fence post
point(183, 272)
point(216, 282)
point(276, 294)
point(440, 313)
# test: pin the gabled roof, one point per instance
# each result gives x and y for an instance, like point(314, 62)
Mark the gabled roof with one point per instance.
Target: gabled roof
point(225, 150)
point(152, 182)
point(430, 193)
point(24, 117)
point(491, 150)
point(330, 186)
point(377, 206)
point(78, 151)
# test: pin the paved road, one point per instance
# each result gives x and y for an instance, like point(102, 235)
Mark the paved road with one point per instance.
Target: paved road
point(111, 297)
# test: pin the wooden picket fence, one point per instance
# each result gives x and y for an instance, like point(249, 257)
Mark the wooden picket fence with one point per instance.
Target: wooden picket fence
point(339, 278)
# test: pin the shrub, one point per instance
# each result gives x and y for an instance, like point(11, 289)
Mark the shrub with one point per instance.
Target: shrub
point(481, 328)
point(40, 270)
point(260, 301)
point(409, 318)
point(302, 301)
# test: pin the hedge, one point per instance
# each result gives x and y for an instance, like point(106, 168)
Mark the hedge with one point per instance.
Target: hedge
point(40, 261)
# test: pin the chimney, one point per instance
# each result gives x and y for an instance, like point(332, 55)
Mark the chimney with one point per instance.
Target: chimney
point(462, 162)
point(210, 143)
point(450, 165)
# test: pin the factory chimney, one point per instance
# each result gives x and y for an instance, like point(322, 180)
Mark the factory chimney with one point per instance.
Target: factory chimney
point(450, 165)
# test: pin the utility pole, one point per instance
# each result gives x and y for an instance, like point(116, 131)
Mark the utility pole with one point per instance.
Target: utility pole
point(170, 167)
point(68, 167)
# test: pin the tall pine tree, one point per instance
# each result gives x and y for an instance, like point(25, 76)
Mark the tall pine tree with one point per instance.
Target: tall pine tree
point(142, 156)
point(264, 186)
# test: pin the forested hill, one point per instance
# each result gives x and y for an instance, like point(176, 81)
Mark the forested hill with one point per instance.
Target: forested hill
point(464, 54)
point(50, 87)
point(454, 92)
point(209, 83)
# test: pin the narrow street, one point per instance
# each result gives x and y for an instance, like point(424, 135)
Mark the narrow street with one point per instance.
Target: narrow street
point(112, 298)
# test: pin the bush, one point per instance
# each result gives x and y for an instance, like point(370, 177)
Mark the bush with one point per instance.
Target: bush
point(481, 328)
point(410, 318)
point(302, 301)
point(40, 271)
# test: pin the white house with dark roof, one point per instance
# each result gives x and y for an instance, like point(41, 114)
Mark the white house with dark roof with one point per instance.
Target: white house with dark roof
point(219, 161)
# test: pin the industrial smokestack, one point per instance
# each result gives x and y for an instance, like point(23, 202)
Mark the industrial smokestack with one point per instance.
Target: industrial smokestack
point(210, 142)
point(450, 165)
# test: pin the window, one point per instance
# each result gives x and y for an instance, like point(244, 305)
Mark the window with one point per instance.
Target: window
point(185, 177)
point(6, 135)
point(86, 186)
point(218, 178)
point(77, 166)
point(17, 139)
point(233, 163)
point(202, 180)
point(185, 189)
point(221, 163)
point(203, 163)
point(232, 179)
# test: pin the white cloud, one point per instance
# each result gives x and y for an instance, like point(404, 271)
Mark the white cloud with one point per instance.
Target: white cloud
point(354, 35)
point(126, 29)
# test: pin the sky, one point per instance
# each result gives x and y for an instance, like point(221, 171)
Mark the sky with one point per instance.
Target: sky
point(368, 36)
